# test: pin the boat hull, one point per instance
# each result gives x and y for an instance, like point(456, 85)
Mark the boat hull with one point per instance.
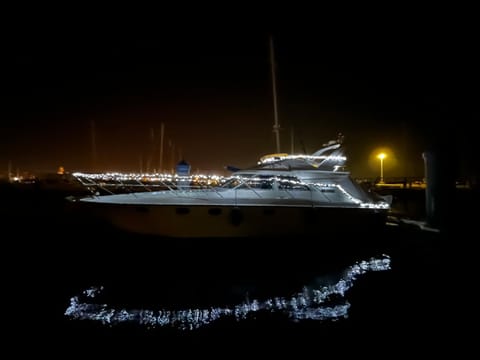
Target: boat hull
point(240, 221)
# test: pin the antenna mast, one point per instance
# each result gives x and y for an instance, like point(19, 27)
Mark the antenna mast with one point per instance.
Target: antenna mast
point(276, 125)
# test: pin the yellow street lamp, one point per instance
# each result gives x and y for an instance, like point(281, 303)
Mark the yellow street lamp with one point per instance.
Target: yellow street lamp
point(381, 156)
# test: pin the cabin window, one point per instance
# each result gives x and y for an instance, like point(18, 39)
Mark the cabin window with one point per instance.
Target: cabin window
point(328, 190)
point(291, 183)
point(257, 182)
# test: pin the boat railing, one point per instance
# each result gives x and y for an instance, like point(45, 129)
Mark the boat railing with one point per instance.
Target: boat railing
point(119, 183)
point(198, 190)
point(243, 182)
point(297, 190)
point(274, 184)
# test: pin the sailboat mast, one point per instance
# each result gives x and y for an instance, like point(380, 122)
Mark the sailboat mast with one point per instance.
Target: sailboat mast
point(160, 163)
point(292, 142)
point(9, 173)
point(93, 145)
point(276, 125)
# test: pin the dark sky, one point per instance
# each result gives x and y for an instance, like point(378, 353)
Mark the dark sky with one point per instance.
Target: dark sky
point(402, 88)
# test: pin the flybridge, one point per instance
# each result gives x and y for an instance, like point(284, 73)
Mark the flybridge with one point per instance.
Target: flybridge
point(278, 157)
point(328, 158)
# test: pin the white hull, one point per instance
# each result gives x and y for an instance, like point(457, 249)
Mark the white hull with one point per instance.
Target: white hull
point(283, 195)
point(229, 221)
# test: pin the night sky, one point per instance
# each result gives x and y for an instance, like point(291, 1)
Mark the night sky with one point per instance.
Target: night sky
point(408, 89)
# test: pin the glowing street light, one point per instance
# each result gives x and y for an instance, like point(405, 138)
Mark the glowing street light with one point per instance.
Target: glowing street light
point(381, 156)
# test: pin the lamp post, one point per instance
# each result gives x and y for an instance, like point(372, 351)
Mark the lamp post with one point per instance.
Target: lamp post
point(381, 156)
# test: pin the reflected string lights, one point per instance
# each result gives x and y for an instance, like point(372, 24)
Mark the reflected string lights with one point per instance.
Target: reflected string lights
point(320, 302)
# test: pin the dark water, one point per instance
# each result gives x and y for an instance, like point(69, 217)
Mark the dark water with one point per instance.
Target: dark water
point(73, 283)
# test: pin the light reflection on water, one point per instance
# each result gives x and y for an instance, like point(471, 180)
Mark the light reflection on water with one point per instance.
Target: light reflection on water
point(314, 302)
